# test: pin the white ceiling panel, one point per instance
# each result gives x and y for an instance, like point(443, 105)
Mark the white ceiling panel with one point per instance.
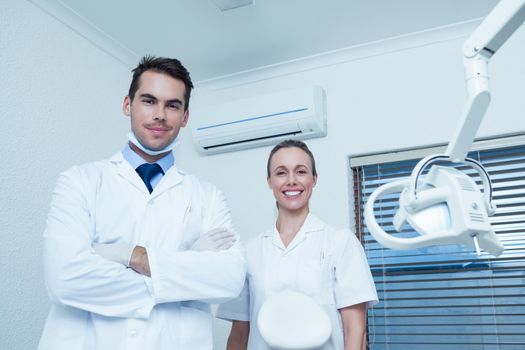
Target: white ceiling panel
point(213, 43)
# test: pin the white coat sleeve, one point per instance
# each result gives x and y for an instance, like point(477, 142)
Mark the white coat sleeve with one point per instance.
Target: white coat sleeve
point(208, 276)
point(75, 275)
point(353, 280)
point(237, 309)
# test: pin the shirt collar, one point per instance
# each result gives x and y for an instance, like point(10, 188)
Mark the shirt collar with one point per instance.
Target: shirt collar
point(311, 224)
point(135, 160)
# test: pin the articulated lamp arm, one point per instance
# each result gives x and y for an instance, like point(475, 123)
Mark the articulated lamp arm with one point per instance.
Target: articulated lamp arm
point(482, 44)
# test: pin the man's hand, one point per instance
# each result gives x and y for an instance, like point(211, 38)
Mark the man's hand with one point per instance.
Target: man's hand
point(215, 240)
point(139, 261)
point(126, 254)
point(118, 252)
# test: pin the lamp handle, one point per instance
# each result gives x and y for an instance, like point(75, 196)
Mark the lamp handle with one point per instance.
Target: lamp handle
point(391, 241)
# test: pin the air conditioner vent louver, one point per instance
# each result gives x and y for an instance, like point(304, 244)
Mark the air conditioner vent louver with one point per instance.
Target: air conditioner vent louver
point(257, 139)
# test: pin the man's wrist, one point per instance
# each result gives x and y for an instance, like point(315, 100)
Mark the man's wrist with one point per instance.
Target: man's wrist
point(139, 261)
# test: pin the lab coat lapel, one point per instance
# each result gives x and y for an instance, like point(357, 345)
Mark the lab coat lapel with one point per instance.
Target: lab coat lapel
point(310, 225)
point(126, 171)
point(172, 178)
point(276, 238)
point(297, 240)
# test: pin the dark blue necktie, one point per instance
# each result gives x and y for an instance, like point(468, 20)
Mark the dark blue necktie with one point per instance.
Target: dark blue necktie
point(147, 172)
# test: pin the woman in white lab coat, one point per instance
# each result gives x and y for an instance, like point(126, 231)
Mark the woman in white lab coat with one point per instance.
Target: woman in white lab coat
point(302, 253)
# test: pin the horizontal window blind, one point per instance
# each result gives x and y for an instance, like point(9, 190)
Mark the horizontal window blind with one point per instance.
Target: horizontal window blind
point(446, 297)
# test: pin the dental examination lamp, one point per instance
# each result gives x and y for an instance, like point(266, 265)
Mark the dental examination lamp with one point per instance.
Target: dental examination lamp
point(445, 206)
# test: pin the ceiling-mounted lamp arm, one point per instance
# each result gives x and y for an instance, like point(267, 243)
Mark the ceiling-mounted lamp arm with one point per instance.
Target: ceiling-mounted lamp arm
point(477, 104)
point(482, 44)
point(495, 29)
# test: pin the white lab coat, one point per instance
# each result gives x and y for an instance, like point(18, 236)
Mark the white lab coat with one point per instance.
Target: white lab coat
point(325, 263)
point(99, 304)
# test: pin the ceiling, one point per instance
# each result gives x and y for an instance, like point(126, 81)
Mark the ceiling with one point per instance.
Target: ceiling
point(212, 43)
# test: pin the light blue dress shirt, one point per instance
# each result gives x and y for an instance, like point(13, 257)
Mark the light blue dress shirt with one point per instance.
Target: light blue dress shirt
point(135, 160)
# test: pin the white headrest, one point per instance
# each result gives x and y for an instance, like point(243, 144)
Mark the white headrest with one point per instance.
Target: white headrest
point(293, 321)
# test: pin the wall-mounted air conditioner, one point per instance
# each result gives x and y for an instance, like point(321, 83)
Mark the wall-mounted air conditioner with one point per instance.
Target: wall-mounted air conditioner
point(261, 120)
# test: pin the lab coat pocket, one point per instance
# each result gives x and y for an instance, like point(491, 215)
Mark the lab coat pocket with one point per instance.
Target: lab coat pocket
point(314, 280)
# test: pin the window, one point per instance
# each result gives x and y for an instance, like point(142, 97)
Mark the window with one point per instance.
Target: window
point(445, 297)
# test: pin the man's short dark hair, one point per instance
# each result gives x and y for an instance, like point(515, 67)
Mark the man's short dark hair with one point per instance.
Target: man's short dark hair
point(170, 66)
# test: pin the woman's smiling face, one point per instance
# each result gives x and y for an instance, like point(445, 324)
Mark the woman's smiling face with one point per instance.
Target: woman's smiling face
point(291, 179)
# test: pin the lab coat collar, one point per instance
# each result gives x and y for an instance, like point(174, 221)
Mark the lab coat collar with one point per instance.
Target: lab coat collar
point(124, 169)
point(311, 225)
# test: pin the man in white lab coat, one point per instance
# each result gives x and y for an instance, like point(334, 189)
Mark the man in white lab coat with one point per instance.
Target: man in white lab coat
point(136, 249)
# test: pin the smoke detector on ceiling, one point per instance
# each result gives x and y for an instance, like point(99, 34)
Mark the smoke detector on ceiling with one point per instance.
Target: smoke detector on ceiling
point(225, 5)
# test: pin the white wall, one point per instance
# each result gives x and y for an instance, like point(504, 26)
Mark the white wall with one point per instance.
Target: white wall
point(403, 98)
point(60, 105)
